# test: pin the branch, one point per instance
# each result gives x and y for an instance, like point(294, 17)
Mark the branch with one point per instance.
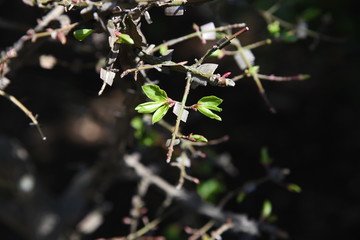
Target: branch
point(25, 110)
point(192, 201)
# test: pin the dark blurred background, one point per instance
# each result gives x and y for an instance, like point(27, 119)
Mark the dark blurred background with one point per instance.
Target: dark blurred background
point(315, 132)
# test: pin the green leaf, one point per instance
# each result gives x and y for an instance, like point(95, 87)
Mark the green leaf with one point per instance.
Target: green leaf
point(198, 138)
point(155, 93)
point(210, 102)
point(160, 113)
point(294, 188)
point(163, 49)
point(310, 13)
point(266, 209)
point(81, 34)
point(125, 38)
point(253, 70)
point(304, 76)
point(264, 157)
point(207, 112)
point(148, 107)
point(240, 197)
point(209, 189)
point(274, 28)
point(216, 53)
point(289, 37)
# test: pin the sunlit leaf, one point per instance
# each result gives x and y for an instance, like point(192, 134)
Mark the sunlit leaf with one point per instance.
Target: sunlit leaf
point(274, 28)
point(211, 102)
point(148, 107)
point(163, 49)
point(208, 103)
point(160, 113)
point(253, 70)
point(155, 93)
point(207, 112)
point(125, 38)
point(81, 34)
point(199, 138)
point(217, 53)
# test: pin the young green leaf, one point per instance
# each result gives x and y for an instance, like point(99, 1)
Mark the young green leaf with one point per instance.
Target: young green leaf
point(209, 189)
point(81, 34)
point(211, 102)
point(208, 113)
point(125, 38)
point(163, 49)
point(240, 197)
point(253, 70)
point(266, 210)
point(155, 93)
point(208, 103)
point(294, 187)
point(265, 157)
point(274, 28)
point(198, 138)
point(160, 113)
point(148, 107)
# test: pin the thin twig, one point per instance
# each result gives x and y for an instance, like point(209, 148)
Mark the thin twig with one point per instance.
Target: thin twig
point(178, 120)
point(254, 75)
point(25, 110)
point(195, 34)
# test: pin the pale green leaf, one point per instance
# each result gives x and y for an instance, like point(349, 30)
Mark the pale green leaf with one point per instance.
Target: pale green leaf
point(207, 112)
point(199, 138)
point(160, 113)
point(125, 38)
point(81, 34)
point(148, 107)
point(209, 189)
point(274, 28)
point(155, 93)
point(267, 208)
point(210, 102)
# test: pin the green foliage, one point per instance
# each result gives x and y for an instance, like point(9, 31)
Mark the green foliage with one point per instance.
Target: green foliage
point(289, 37)
point(160, 106)
point(160, 113)
point(240, 197)
point(206, 104)
point(310, 13)
point(266, 209)
point(216, 53)
point(264, 157)
point(198, 138)
point(81, 34)
point(173, 232)
point(155, 93)
point(294, 188)
point(146, 137)
point(274, 28)
point(253, 70)
point(209, 189)
point(125, 38)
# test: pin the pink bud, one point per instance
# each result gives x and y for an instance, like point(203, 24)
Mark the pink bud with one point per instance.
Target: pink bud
point(226, 74)
point(117, 33)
